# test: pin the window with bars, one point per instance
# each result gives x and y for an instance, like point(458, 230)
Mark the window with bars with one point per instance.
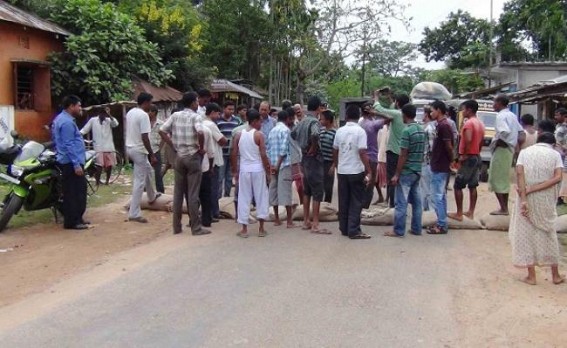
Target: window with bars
point(25, 87)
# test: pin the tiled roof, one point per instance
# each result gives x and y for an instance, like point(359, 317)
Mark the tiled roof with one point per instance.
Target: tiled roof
point(13, 14)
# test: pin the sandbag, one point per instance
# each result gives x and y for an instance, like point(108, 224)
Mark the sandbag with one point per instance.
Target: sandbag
point(163, 203)
point(430, 90)
point(227, 209)
point(327, 213)
point(496, 222)
point(561, 224)
point(376, 216)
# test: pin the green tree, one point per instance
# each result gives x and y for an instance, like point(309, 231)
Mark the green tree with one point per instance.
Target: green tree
point(392, 58)
point(237, 38)
point(457, 40)
point(541, 22)
point(106, 49)
point(178, 30)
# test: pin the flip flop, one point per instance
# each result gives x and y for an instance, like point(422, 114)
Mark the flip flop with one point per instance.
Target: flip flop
point(437, 230)
point(242, 235)
point(306, 228)
point(360, 236)
point(499, 213)
point(277, 224)
point(292, 226)
point(262, 234)
point(321, 231)
point(140, 219)
point(560, 281)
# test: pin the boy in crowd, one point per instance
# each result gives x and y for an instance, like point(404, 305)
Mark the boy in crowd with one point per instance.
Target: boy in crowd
point(441, 158)
point(326, 139)
point(408, 173)
point(279, 155)
point(470, 145)
point(252, 173)
point(353, 173)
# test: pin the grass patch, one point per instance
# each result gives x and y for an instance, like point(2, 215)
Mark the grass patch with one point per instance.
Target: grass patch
point(103, 195)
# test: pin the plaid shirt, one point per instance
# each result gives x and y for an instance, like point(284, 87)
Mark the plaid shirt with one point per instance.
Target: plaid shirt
point(183, 127)
point(278, 145)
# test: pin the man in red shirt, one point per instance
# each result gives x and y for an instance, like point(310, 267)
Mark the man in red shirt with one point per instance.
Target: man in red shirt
point(470, 145)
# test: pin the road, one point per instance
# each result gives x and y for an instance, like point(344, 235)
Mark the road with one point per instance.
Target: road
point(294, 289)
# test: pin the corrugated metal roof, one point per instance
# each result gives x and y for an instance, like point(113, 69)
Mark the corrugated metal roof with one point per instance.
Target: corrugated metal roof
point(13, 14)
point(160, 94)
point(220, 85)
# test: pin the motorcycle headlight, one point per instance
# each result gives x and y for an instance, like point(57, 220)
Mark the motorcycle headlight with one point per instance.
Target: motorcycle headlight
point(16, 171)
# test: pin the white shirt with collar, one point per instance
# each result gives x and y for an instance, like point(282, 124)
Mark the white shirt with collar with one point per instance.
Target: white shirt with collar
point(102, 133)
point(507, 128)
point(349, 139)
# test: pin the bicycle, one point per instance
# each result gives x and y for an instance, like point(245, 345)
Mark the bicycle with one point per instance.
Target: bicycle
point(117, 168)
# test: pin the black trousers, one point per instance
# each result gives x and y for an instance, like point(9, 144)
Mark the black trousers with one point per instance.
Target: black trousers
point(328, 181)
point(205, 198)
point(391, 164)
point(74, 196)
point(371, 185)
point(351, 197)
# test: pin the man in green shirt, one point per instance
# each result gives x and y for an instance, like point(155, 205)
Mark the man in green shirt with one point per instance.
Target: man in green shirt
point(407, 175)
point(395, 130)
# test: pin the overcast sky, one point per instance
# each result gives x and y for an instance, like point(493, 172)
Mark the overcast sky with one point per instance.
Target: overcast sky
point(429, 13)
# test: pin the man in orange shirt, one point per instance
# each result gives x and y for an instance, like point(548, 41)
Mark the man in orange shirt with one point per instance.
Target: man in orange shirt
point(470, 144)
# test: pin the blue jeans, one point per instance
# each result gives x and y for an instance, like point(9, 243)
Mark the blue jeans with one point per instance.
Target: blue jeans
point(425, 185)
point(438, 184)
point(225, 178)
point(408, 191)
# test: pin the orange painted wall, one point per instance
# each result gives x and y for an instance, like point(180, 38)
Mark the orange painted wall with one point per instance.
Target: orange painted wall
point(29, 123)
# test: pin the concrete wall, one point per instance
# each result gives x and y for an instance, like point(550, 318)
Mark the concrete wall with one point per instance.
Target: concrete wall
point(20, 43)
point(527, 76)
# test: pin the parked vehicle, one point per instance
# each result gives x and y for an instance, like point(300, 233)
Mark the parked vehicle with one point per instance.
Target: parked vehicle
point(35, 179)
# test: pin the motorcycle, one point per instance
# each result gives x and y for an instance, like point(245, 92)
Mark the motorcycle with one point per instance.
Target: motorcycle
point(35, 178)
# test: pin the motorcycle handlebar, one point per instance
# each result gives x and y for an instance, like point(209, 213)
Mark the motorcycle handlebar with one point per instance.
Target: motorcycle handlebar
point(49, 145)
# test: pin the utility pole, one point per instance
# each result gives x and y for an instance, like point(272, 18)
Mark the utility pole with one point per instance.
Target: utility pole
point(491, 48)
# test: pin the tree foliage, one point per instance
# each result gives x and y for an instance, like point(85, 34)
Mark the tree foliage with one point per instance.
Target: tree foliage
point(178, 30)
point(457, 40)
point(391, 58)
point(106, 49)
point(541, 22)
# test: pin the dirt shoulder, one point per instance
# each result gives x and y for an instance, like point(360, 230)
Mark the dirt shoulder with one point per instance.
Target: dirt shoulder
point(42, 255)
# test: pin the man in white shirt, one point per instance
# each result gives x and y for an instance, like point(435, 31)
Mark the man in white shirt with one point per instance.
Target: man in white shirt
point(157, 145)
point(139, 149)
point(354, 172)
point(218, 141)
point(203, 100)
point(207, 169)
point(183, 132)
point(506, 142)
point(103, 142)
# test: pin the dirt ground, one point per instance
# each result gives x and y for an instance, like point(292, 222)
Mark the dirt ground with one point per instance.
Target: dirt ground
point(43, 255)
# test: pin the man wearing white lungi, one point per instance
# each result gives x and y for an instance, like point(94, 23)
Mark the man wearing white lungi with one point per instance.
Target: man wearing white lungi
point(253, 175)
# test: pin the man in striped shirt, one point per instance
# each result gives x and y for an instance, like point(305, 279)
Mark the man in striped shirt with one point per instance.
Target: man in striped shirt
point(326, 140)
point(407, 175)
point(280, 162)
point(226, 124)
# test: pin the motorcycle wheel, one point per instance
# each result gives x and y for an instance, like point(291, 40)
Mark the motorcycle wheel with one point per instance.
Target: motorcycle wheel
point(14, 204)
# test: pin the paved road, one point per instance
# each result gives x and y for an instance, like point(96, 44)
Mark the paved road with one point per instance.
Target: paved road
point(290, 289)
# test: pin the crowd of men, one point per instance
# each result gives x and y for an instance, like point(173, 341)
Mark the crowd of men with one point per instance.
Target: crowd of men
point(263, 157)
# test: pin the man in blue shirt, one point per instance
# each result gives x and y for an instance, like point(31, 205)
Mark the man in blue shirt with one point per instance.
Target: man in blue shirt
point(71, 159)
